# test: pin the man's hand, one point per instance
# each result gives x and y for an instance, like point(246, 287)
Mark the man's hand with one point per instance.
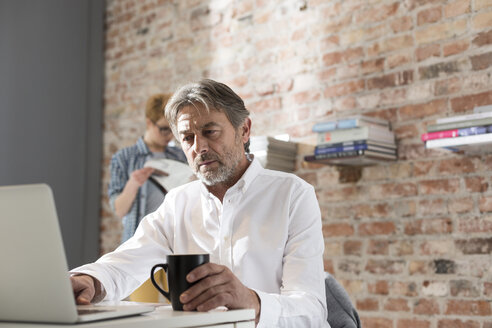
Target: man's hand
point(84, 288)
point(218, 287)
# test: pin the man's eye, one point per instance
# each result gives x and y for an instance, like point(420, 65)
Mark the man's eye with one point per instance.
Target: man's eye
point(187, 138)
point(209, 132)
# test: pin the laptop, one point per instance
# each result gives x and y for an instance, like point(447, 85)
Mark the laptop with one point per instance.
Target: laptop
point(34, 278)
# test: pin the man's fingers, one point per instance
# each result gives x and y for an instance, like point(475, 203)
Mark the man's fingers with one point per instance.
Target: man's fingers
point(214, 283)
point(83, 289)
point(208, 294)
point(204, 270)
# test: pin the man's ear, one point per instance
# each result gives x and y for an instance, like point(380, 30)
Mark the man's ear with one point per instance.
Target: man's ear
point(246, 129)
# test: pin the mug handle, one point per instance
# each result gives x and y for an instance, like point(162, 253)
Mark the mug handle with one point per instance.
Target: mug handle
point(156, 285)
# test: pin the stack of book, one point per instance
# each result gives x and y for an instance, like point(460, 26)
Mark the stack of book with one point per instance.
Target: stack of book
point(274, 154)
point(357, 140)
point(461, 132)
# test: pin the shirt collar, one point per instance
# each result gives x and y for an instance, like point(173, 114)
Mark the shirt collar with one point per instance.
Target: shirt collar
point(142, 147)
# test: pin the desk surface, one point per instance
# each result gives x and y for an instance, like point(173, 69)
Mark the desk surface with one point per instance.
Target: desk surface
point(163, 316)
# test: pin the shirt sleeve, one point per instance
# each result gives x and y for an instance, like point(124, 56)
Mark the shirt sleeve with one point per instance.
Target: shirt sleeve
point(119, 177)
point(123, 270)
point(302, 298)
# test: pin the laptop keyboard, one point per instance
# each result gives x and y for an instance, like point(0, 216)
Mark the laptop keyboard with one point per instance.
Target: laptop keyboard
point(92, 311)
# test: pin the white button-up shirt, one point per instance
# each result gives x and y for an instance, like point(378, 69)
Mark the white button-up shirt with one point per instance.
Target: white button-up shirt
point(267, 232)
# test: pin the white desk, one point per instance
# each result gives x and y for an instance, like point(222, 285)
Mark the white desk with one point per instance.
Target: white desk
point(162, 317)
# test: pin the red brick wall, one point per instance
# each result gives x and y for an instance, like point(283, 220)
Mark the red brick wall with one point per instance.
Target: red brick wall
point(410, 240)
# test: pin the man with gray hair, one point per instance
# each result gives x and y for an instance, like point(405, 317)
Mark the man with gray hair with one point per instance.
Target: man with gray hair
point(262, 228)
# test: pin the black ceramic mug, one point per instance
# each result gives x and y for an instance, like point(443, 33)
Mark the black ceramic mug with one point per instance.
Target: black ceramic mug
point(176, 268)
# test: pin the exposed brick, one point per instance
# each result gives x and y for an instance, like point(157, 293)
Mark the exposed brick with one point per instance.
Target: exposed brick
point(480, 4)
point(396, 305)
point(439, 187)
point(474, 245)
point(437, 247)
point(377, 13)
point(465, 103)
point(400, 59)
point(441, 31)
point(429, 226)
point(350, 266)
point(443, 266)
point(430, 15)
point(376, 228)
point(367, 304)
point(426, 51)
point(482, 61)
point(476, 184)
point(402, 248)
point(372, 66)
point(371, 322)
point(337, 229)
point(457, 8)
point(422, 110)
point(418, 267)
point(455, 47)
point(385, 266)
point(380, 287)
point(465, 307)
point(371, 210)
point(378, 247)
point(401, 24)
point(426, 307)
point(477, 225)
point(433, 289)
point(343, 89)
point(267, 105)
point(482, 20)
point(352, 247)
point(485, 204)
point(414, 323)
point(461, 205)
point(388, 45)
point(487, 289)
point(483, 39)
point(464, 288)
point(401, 288)
point(456, 323)
point(441, 69)
point(390, 80)
point(434, 207)
point(448, 86)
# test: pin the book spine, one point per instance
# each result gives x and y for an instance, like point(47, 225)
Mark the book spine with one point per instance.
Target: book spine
point(325, 126)
point(459, 141)
point(459, 125)
point(454, 133)
point(363, 132)
point(356, 122)
point(326, 150)
point(472, 131)
point(468, 117)
point(337, 154)
point(439, 135)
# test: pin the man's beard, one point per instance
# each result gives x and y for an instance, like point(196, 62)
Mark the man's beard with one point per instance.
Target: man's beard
point(227, 165)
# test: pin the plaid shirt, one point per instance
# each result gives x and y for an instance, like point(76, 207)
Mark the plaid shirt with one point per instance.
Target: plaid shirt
point(123, 163)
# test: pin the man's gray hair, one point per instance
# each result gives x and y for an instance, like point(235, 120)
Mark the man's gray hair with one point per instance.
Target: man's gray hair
point(212, 95)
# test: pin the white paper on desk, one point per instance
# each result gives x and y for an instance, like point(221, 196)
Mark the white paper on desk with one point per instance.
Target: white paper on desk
point(178, 173)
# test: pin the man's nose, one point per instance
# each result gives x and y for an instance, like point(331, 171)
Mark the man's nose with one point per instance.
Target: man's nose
point(200, 145)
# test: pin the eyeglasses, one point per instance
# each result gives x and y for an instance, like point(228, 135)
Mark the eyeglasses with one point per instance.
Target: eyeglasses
point(164, 130)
